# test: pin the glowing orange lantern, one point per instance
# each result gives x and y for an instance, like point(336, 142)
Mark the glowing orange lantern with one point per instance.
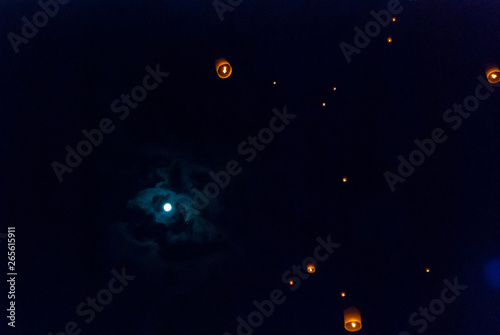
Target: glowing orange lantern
point(493, 74)
point(311, 268)
point(352, 319)
point(324, 104)
point(334, 88)
point(291, 282)
point(342, 294)
point(274, 83)
point(393, 19)
point(344, 179)
point(427, 270)
point(223, 68)
point(389, 40)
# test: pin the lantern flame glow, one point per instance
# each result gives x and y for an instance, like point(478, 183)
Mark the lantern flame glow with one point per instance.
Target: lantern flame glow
point(223, 68)
point(493, 74)
point(352, 319)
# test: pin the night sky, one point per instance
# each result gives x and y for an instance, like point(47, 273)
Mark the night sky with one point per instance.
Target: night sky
point(111, 109)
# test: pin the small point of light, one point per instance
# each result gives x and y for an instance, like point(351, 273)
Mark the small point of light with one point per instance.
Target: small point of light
point(353, 325)
point(389, 40)
point(324, 104)
point(342, 294)
point(427, 270)
point(334, 88)
point(393, 19)
point(344, 179)
point(274, 83)
point(291, 282)
point(167, 207)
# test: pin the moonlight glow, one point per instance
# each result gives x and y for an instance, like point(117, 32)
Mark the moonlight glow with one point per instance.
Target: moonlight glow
point(167, 207)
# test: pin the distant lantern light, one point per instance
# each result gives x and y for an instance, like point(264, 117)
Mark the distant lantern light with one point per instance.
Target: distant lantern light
point(344, 179)
point(393, 19)
point(334, 88)
point(223, 68)
point(291, 282)
point(324, 104)
point(427, 270)
point(274, 83)
point(389, 40)
point(167, 207)
point(311, 268)
point(493, 74)
point(352, 319)
point(342, 294)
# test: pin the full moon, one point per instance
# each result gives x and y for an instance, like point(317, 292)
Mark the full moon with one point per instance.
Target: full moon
point(167, 207)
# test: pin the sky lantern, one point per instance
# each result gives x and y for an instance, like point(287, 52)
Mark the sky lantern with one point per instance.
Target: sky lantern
point(334, 88)
point(389, 39)
point(291, 282)
point(311, 268)
point(393, 19)
point(352, 319)
point(427, 270)
point(493, 74)
point(344, 179)
point(274, 83)
point(342, 294)
point(324, 104)
point(223, 68)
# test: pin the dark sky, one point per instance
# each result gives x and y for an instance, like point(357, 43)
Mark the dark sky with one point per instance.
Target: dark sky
point(198, 274)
